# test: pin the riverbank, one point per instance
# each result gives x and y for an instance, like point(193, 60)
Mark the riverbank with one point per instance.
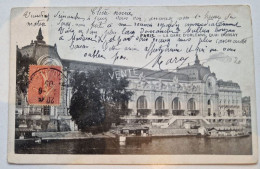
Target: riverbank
point(113, 133)
point(155, 132)
point(160, 132)
point(72, 135)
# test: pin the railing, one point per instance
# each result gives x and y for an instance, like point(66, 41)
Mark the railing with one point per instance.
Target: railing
point(178, 112)
point(143, 112)
point(229, 106)
point(183, 117)
point(34, 113)
point(161, 112)
point(34, 116)
point(193, 112)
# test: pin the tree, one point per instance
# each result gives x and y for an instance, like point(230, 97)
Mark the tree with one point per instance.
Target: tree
point(96, 98)
point(22, 71)
point(22, 79)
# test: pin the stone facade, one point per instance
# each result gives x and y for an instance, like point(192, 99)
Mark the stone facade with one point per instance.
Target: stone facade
point(44, 118)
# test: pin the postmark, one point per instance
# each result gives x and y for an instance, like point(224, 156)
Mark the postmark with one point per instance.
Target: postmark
point(44, 85)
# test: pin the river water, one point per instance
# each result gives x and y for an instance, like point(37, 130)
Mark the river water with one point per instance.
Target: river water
point(157, 145)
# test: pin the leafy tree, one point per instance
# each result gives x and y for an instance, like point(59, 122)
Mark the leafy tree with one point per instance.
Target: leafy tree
point(96, 98)
point(22, 70)
point(22, 79)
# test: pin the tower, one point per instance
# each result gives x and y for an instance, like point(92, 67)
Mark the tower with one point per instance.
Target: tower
point(197, 61)
point(39, 37)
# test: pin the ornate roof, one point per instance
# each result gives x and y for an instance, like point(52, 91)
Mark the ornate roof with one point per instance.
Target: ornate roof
point(197, 67)
point(147, 73)
point(222, 83)
point(38, 49)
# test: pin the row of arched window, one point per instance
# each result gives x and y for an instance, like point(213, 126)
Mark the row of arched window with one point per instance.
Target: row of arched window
point(160, 105)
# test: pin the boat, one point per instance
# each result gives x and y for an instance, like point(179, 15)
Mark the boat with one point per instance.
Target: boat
point(38, 140)
point(228, 136)
point(226, 132)
point(134, 133)
point(28, 141)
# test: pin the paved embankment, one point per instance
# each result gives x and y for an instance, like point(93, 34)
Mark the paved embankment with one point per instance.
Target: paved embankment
point(71, 135)
point(172, 132)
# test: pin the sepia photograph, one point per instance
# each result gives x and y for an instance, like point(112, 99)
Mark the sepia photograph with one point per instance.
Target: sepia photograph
point(150, 81)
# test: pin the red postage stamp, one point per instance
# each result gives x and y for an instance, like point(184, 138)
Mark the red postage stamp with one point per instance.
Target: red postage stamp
point(44, 85)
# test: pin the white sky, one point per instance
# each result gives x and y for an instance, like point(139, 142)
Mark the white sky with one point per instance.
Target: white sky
point(241, 73)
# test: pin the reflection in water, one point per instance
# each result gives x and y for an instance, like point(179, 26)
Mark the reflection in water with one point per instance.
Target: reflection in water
point(158, 145)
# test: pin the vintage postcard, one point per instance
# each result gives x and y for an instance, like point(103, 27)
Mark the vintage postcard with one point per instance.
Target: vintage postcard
point(132, 85)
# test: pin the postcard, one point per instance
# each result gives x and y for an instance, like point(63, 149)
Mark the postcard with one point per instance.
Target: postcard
point(132, 85)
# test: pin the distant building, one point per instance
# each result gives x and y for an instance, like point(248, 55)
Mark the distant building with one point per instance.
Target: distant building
point(160, 97)
point(246, 106)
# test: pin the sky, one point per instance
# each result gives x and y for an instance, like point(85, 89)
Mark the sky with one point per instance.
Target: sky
point(22, 34)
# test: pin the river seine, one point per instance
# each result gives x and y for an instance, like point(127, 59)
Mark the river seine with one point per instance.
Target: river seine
point(157, 145)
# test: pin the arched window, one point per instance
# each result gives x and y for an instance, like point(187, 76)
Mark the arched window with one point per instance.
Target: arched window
point(209, 84)
point(48, 60)
point(209, 107)
point(142, 102)
point(176, 104)
point(191, 104)
point(159, 103)
point(46, 110)
point(19, 101)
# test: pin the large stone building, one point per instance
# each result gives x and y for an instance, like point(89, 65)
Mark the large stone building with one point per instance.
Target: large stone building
point(160, 97)
point(43, 118)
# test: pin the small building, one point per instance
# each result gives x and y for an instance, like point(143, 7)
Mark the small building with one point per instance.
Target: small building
point(135, 130)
